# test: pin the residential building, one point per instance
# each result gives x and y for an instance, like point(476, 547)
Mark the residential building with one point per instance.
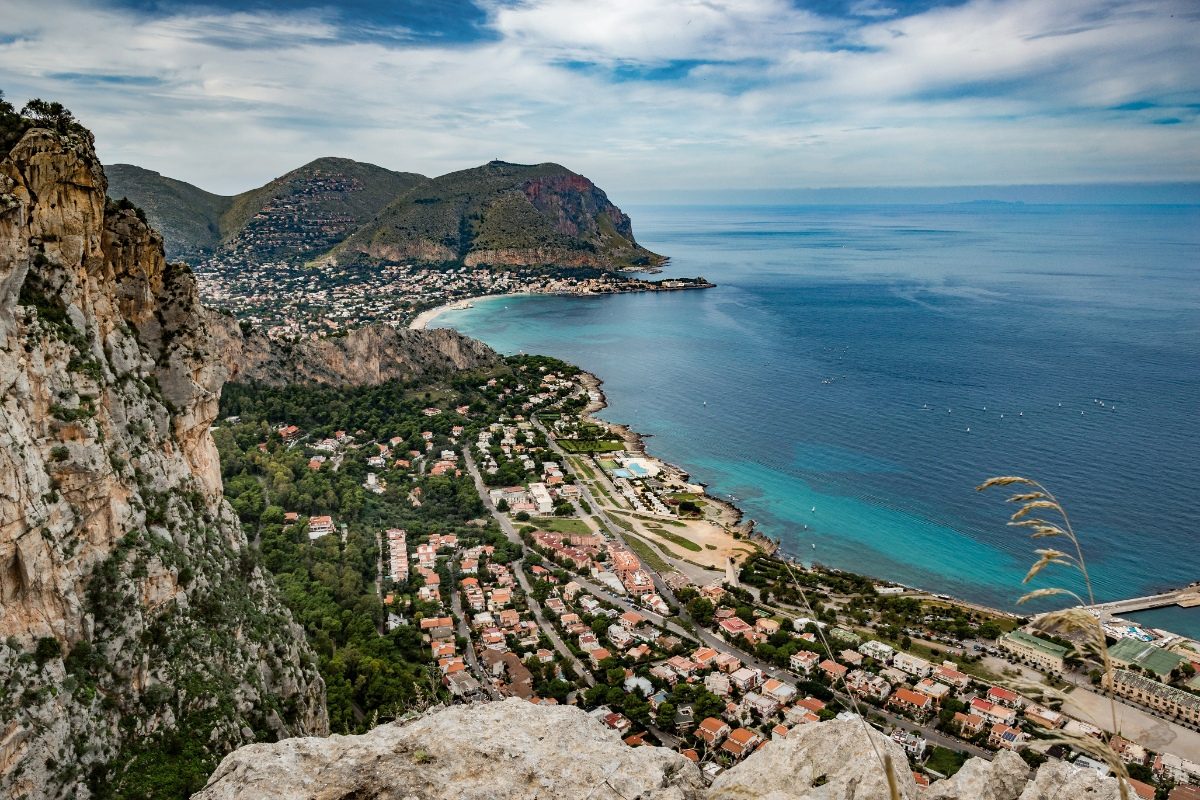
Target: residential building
point(833, 670)
point(993, 713)
point(713, 731)
point(912, 665)
point(968, 724)
point(937, 691)
point(741, 742)
point(1159, 696)
point(745, 678)
point(1041, 653)
point(319, 526)
point(912, 702)
point(1006, 737)
point(880, 651)
point(803, 661)
point(1004, 697)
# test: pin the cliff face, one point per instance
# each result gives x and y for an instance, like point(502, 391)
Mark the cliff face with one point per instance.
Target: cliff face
point(137, 633)
point(364, 356)
point(514, 749)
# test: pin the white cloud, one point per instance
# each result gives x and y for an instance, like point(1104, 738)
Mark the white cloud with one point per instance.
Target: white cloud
point(993, 91)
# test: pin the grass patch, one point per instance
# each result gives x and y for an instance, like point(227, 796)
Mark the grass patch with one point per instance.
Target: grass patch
point(582, 468)
point(566, 525)
point(660, 520)
point(624, 524)
point(675, 538)
point(647, 553)
point(597, 446)
point(945, 761)
point(608, 465)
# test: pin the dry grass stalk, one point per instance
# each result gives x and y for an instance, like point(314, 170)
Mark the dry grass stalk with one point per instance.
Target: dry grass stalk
point(1075, 624)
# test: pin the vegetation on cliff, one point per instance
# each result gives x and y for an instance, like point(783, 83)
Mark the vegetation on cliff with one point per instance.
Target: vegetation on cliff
point(503, 214)
point(139, 642)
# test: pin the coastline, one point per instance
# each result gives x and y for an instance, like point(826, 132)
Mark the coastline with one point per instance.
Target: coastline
point(422, 321)
point(728, 516)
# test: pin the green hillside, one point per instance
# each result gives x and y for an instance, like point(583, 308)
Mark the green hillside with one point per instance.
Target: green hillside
point(310, 209)
point(302, 213)
point(188, 217)
point(502, 214)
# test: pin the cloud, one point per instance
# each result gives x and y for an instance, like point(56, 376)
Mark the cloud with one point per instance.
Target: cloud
point(636, 94)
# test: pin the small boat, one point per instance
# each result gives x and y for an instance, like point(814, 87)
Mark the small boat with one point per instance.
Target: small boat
point(968, 430)
point(814, 508)
point(814, 545)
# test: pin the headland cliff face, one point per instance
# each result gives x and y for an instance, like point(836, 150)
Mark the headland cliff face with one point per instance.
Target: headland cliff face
point(137, 634)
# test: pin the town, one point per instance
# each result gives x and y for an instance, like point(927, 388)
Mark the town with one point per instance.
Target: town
point(516, 546)
point(290, 300)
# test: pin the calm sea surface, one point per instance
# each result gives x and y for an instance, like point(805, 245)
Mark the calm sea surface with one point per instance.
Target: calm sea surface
point(875, 363)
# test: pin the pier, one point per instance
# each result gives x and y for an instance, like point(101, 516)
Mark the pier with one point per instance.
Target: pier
point(1187, 597)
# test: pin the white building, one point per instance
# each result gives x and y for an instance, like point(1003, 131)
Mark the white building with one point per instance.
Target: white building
point(541, 498)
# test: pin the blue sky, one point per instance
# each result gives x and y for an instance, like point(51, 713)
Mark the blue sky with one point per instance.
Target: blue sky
point(637, 94)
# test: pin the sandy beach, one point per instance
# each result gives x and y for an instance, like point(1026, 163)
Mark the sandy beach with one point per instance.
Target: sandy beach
point(423, 320)
point(721, 533)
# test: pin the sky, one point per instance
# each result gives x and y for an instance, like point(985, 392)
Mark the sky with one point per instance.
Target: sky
point(639, 95)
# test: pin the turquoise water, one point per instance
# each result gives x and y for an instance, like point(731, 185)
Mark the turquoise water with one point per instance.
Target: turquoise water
point(847, 351)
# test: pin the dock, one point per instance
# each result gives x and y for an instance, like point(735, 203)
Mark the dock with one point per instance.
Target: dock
point(1187, 597)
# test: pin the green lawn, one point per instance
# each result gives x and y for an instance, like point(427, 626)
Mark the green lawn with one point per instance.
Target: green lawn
point(598, 446)
point(621, 523)
point(582, 468)
point(647, 553)
point(945, 761)
point(561, 525)
point(675, 538)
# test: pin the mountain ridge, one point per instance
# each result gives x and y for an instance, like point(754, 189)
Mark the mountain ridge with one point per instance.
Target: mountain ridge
point(336, 210)
point(304, 211)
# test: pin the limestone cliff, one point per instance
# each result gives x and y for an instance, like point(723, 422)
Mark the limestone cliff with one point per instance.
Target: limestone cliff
point(514, 749)
point(139, 641)
point(364, 356)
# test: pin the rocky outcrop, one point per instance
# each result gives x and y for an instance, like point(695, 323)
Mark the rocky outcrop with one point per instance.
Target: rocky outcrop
point(364, 356)
point(837, 760)
point(514, 749)
point(1002, 778)
point(1056, 780)
point(137, 634)
point(510, 749)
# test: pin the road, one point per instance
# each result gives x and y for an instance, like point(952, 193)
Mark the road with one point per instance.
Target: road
point(705, 636)
point(464, 630)
point(518, 570)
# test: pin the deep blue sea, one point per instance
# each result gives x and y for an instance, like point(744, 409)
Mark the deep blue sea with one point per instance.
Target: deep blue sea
point(875, 363)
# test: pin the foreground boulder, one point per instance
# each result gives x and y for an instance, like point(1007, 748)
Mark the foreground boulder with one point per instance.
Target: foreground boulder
point(514, 749)
point(836, 760)
point(511, 749)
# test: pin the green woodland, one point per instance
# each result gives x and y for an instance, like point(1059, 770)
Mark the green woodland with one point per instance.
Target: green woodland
point(329, 584)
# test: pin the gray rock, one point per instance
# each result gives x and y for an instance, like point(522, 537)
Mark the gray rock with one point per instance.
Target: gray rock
point(509, 749)
point(1002, 778)
point(836, 760)
point(1058, 780)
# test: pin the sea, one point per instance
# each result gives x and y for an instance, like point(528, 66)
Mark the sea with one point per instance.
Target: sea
point(860, 369)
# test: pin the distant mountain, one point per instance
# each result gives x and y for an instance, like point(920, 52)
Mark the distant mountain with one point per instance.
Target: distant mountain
point(310, 209)
point(297, 216)
point(502, 214)
point(343, 211)
point(188, 217)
